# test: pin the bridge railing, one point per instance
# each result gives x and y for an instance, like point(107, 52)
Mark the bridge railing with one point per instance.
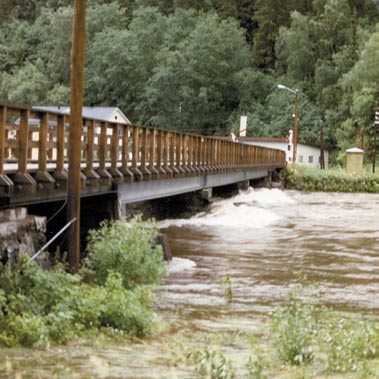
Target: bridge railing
point(34, 152)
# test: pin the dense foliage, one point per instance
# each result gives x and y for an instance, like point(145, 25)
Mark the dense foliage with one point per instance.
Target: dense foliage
point(127, 249)
point(38, 307)
point(304, 178)
point(199, 65)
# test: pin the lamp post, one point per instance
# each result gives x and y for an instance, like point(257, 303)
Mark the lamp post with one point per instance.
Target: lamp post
point(296, 114)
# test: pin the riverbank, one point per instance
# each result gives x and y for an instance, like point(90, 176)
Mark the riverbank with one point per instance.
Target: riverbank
point(341, 347)
point(303, 178)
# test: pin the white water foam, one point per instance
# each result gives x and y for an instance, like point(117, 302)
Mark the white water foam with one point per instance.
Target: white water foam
point(180, 264)
point(246, 210)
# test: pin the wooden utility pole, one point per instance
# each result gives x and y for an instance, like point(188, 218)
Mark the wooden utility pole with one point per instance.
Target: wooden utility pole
point(296, 126)
point(376, 122)
point(76, 123)
point(322, 149)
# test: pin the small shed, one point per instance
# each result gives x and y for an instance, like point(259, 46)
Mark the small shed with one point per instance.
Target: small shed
point(354, 160)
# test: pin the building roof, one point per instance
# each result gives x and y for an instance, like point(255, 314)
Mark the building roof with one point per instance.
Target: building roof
point(355, 150)
point(96, 113)
point(265, 139)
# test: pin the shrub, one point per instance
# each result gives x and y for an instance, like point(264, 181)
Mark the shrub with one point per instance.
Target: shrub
point(305, 178)
point(113, 306)
point(38, 307)
point(348, 343)
point(212, 364)
point(294, 325)
point(127, 249)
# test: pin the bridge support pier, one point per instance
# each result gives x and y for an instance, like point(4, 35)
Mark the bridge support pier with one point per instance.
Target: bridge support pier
point(244, 186)
point(206, 193)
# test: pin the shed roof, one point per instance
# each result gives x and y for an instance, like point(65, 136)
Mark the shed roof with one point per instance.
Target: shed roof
point(355, 150)
point(97, 113)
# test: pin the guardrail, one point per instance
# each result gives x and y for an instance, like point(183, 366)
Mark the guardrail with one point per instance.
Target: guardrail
point(34, 153)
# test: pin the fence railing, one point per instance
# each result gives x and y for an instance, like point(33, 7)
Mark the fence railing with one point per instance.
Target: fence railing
point(34, 152)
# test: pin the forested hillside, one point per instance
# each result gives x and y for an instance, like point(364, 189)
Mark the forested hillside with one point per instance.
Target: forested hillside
point(199, 65)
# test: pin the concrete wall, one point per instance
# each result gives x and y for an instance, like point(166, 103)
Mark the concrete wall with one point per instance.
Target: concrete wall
point(20, 233)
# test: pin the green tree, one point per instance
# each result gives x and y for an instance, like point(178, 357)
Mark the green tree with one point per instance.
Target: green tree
point(28, 86)
point(227, 8)
point(295, 48)
point(201, 76)
point(270, 15)
point(246, 11)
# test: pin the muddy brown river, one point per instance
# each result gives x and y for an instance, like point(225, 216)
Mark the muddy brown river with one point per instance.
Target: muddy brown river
point(255, 244)
point(265, 239)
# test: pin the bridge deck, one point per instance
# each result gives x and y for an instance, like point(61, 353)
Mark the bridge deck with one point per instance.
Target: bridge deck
point(139, 162)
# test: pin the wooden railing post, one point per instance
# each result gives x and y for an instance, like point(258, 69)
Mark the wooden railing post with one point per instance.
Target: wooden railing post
point(185, 155)
point(203, 154)
point(93, 179)
point(190, 160)
point(166, 154)
point(128, 175)
point(144, 156)
point(228, 151)
point(200, 153)
point(179, 153)
point(153, 154)
point(22, 180)
point(138, 176)
point(105, 176)
point(60, 173)
point(6, 185)
point(117, 175)
point(173, 143)
point(160, 154)
point(44, 179)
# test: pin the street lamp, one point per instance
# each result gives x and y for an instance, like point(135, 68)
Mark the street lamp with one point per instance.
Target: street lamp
point(296, 114)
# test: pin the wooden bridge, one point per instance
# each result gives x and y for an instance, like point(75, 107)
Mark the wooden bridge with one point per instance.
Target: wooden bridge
point(135, 162)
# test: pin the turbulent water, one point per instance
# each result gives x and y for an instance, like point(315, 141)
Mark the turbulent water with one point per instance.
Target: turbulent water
point(263, 239)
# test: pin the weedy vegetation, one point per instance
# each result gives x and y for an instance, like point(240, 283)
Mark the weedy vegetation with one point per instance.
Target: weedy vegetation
point(42, 307)
point(303, 178)
point(304, 340)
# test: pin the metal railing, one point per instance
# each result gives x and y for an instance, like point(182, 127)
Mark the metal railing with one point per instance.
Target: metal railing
point(34, 152)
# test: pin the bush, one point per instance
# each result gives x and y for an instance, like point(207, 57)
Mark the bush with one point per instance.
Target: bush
point(113, 306)
point(347, 343)
point(212, 364)
point(294, 326)
point(127, 249)
point(39, 307)
point(304, 178)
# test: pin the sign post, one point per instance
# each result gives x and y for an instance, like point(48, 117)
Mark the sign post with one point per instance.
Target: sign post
point(243, 126)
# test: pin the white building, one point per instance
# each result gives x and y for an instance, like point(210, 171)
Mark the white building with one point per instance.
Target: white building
point(306, 154)
point(111, 114)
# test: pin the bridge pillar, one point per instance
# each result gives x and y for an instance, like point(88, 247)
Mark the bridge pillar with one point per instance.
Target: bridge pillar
point(206, 193)
point(244, 186)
